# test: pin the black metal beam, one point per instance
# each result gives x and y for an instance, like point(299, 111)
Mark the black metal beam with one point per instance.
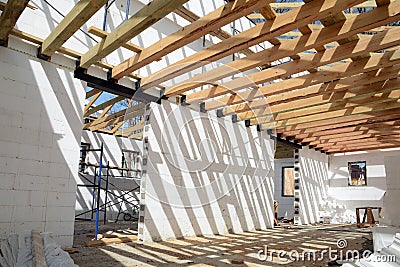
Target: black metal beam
point(113, 87)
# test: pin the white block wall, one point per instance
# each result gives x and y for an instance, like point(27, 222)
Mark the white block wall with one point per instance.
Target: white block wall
point(382, 176)
point(203, 175)
point(391, 199)
point(40, 129)
point(113, 147)
point(313, 183)
point(286, 204)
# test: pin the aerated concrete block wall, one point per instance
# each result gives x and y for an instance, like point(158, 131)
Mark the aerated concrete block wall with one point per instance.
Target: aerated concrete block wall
point(313, 171)
point(382, 189)
point(203, 175)
point(41, 108)
point(120, 183)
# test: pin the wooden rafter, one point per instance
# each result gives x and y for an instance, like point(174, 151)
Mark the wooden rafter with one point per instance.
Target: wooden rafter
point(12, 11)
point(103, 34)
point(219, 33)
point(317, 37)
point(212, 21)
point(140, 21)
point(79, 14)
point(285, 22)
point(351, 49)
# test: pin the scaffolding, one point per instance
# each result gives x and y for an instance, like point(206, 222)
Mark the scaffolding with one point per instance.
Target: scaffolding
point(96, 185)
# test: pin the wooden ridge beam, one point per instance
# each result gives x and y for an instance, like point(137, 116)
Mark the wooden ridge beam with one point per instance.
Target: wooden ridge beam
point(288, 21)
point(76, 18)
point(317, 37)
point(351, 49)
point(143, 19)
point(103, 34)
point(11, 13)
point(210, 22)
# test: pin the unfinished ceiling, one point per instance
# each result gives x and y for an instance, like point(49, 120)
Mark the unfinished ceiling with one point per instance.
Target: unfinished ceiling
point(329, 78)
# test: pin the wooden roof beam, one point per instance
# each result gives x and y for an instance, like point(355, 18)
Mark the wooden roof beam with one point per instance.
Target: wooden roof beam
point(210, 22)
point(359, 47)
point(103, 34)
point(219, 33)
point(344, 129)
point(12, 11)
point(283, 23)
point(143, 19)
point(326, 114)
point(318, 37)
point(76, 18)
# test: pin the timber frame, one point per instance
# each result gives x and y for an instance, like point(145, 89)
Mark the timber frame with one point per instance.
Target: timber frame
point(329, 78)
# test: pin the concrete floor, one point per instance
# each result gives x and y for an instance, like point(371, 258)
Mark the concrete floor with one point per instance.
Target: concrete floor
point(224, 250)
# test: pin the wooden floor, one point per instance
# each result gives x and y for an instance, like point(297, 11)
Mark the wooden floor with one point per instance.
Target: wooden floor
point(228, 250)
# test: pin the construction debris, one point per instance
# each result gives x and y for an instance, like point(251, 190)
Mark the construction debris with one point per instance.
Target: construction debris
point(33, 249)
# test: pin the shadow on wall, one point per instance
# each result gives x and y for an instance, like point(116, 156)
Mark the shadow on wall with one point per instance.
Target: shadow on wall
point(41, 119)
point(205, 175)
point(313, 184)
point(123, 185)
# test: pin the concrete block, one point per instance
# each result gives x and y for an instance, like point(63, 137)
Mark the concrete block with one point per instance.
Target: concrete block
point(60, 214)
point(21, 226)
point(6, 213)
point(28, 214)
point(60, 228)
point(31, 182)
point(8, 149)
point(7, 197)
point(60, 199)
point(58, 184)
point(7, 180)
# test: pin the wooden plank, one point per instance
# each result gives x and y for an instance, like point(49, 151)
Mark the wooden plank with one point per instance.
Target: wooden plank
point(143, 19)
point(288, 21)
point(109, 241)
point(219, 33)
point(362, 139)
point(372, 43)
point(76, 18)
point(210, 22)
point(12, 11)
point(103, 34)
point(317, 38)
point(37, 249)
